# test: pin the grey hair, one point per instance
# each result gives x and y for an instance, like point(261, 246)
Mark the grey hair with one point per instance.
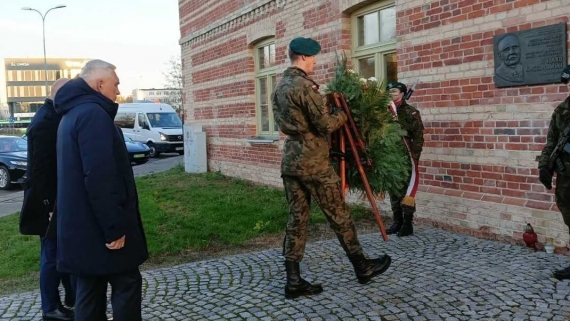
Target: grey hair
point(90, 68)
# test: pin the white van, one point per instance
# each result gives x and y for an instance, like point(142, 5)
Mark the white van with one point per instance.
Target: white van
point(157, 125)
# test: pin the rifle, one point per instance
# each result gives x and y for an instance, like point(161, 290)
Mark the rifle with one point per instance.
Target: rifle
point(554, 159)
point(411, 90)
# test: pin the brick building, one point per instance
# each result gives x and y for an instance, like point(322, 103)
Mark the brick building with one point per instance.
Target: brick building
point(478, 165)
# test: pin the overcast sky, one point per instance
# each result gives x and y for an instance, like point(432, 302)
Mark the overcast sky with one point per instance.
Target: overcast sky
point(138, 36)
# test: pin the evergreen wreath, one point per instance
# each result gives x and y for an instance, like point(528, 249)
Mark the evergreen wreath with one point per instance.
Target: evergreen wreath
point(368, 102)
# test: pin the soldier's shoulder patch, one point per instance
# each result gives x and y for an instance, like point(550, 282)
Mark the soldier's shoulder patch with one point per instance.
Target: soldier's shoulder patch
point(315, 88)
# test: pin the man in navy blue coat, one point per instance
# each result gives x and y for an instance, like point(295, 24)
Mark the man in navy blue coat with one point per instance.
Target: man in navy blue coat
point(39, 205)
point(99, 229)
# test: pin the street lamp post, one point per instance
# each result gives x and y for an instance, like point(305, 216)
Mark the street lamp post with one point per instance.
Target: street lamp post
point(44, 36)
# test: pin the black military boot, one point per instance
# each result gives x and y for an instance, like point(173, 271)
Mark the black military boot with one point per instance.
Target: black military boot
point(366, 269)
point(296, 286)
point(407, 227)
point(562, 274)
point(397, 224)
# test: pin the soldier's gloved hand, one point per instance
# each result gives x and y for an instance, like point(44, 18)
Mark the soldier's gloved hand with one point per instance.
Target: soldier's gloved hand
point(343, 116)
point(545, 177)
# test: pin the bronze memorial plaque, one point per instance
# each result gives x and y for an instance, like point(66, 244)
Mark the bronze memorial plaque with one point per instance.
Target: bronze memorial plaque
point(535, 56)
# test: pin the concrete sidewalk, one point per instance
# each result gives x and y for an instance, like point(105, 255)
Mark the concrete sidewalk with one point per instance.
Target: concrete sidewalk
point(158, 165)
point(12, 202)
point(435, 275)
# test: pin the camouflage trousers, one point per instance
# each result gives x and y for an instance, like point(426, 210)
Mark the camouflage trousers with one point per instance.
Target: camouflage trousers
point(324, 188)
point(562, 196)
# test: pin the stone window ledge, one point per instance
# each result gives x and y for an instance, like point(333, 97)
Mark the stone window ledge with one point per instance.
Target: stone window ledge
point(262, 140)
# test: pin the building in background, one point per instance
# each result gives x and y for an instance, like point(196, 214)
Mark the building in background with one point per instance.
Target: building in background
point(478, 167)
point(26, 81)
point(170, 96)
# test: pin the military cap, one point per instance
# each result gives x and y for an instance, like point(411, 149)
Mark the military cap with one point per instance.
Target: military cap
point(398, 85)
point(565, 76)
point(305, 46)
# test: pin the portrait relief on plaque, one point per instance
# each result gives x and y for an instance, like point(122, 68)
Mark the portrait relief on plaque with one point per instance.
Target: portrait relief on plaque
point(529, 57)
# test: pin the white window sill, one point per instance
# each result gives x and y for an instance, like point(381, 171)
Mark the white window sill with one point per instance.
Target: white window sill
point(262, 140)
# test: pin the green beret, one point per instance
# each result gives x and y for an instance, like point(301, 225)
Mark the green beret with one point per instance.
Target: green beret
point(398, 85)
point(305, 46)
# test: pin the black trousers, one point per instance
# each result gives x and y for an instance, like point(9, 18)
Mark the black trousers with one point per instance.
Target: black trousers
point(126, 292)
point(50, 277)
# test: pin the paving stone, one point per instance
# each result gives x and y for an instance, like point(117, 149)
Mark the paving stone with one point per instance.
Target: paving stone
point(435, 275)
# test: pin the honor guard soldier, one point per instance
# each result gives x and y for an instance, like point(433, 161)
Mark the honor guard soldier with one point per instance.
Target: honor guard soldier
point(307, 173)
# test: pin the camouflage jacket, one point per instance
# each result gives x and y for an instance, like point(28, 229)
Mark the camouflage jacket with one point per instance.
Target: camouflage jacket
point(411, 121)
point(560, 119)
point(300, 111)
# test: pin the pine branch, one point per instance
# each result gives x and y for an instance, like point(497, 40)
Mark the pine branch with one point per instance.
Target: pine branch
point(382, 135)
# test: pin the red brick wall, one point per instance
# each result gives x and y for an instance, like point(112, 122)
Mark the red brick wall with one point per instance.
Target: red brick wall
point(481, 141)
point(219, 71)
point(478, 168)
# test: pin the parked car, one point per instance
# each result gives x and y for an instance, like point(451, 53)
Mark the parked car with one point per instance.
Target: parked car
point(13, 160)
point(139, 153)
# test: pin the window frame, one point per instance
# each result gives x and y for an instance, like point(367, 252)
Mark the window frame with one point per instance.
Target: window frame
point(376, 50)
point(267, 73)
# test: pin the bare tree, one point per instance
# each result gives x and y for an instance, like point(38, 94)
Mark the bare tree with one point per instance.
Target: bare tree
point(122, 99)
point(173, 82)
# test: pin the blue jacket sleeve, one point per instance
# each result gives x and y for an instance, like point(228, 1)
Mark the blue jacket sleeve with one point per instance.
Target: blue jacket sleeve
point(95, 131)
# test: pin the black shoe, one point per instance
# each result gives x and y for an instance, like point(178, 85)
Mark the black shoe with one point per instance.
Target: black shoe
point(407, 229)
point(296, 286)
point(366, 269)
point(59, 314)
point(563, 274)
point(394, 228)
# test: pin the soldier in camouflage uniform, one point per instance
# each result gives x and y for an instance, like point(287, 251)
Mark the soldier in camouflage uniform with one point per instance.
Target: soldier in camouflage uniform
point(560, 120)
point(403, 208)
point(302, 115)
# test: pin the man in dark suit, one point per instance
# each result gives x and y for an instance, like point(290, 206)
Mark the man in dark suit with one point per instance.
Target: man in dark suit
point(38, 206)
point(99, 228)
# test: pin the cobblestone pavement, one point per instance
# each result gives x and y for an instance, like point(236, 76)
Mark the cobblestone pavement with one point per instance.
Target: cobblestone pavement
point(435, 275)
